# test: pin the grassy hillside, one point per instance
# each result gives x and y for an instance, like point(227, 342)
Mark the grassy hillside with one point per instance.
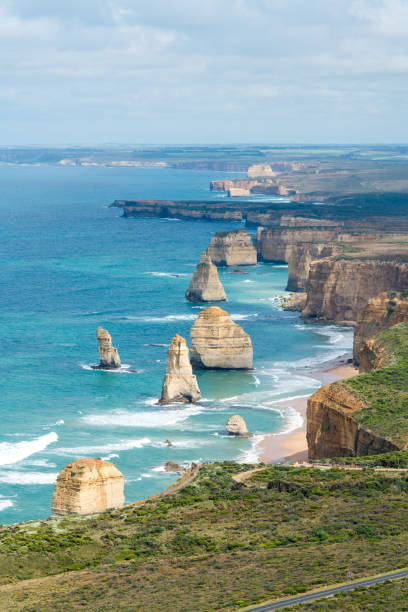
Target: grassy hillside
point(218, 544)
point(386, 390)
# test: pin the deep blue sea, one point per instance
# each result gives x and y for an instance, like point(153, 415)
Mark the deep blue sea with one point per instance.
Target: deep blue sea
point(69, 264)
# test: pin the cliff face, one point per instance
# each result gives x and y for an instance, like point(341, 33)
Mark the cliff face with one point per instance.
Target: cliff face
point(381, 312)
point(232, 248)
point(338, 290)
point(333, 432)
point(219, 343)
point(179, 384)
point(210, 211)
point(109, 356)
point(205, 286)
point(87, 486)
point(260, 170)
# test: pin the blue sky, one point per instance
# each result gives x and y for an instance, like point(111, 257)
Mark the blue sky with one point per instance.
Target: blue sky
point(191, 71)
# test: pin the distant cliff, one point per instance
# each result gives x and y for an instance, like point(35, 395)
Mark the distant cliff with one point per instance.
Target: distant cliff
point(213, 211)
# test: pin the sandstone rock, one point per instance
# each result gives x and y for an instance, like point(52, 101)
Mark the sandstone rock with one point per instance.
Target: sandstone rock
point(295, 302)
point(236, 426)
point(219, 343)
point(87, 486)
point(109, 356)
point(257, 170)
point(333, 432)
point(205, 286)
point(381, 312)
point(232, 248)
point(238, 192)
point(179, 384)
point(171, 466)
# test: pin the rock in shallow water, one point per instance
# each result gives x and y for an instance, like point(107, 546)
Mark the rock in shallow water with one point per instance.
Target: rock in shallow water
point(87, 486)
point(205, 286)
point(236, 426)
point(219, 343)
point(179, 384)
point(109, 356)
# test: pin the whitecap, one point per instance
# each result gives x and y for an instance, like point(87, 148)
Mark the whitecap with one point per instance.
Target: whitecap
point(151, 419)
point(173, 274)
point(5, 503)
point(249, 281)
point(105, 448)
point(12, 453)
point(110, 456)
point(165, 319)
point(251, 455)
point(14, 477)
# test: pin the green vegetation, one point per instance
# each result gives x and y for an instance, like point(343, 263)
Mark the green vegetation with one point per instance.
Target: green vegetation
point(386, 390)
point(397, 459)
point(217, 544)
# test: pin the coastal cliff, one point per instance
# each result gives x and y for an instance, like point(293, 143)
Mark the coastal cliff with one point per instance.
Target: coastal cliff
point(209, 211)
point(232, 248)
point(333, 432)
point(205, 285)
point(338, 289)
point(381, 312)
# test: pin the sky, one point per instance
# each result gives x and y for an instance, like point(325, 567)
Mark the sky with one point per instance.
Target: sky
point(203, 71)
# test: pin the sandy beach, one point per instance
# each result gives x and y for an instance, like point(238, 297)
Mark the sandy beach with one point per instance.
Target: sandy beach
point(292, 446)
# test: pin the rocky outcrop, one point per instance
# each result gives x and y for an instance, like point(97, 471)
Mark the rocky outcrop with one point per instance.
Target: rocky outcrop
point(381, 312)
point(232, 248)
point(179, 384)
point(333, 432)
point(205, 285)
point(338, 290)
point(206, 210)
point(236, 426)
point(219, 343)
point(238, 192)
point(109, 356)
point(171, 466)
point(260, 170)
point(295, 302)
point(87, 486)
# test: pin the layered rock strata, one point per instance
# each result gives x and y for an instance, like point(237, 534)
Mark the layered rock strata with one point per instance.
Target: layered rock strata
point(179, 384)
point(295, 302)
point(333, 432)
point(232, 248)
point(109, 356)
point(337, 290)
point(257, 170)
point(87, 486)
point(205, 285)
point(381, 312)
point(219, 343)
point(236, 426)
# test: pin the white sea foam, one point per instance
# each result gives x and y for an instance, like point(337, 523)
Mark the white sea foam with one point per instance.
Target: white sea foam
point(38, 463)
point(257, 381)
point(59, 422)
point(15, 477)
point(242, 317)
point(12, 453)
point(160, 469)
point(125, 368)
point(165, 319)
point(5, 503)
point(152, 419)
point(174, 274)
point(110, 456)
point(106, 448)
point(247, 280)
point(251, 455)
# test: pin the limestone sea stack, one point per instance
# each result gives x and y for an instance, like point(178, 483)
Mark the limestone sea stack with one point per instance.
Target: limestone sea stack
point(87, 486)
point(219, 343)
point(109, 356)
point(232, 248)
point(236, 426)
point(179, 384)
point(205, 286)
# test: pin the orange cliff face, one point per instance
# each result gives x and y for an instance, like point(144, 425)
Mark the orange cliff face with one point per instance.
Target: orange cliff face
point(333, 432)
point(381, 312)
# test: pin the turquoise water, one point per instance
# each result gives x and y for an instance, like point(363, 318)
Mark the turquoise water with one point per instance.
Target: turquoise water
point(69, 264)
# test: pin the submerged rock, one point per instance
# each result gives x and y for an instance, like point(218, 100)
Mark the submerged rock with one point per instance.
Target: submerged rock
point(109, 356)
point(205, 286)
point(218, 342)
point(87, 486)
point(232, 248)
point(179, 384)
point(236, 426)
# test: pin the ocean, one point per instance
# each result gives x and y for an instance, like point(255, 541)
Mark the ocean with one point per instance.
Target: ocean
point(69, 263)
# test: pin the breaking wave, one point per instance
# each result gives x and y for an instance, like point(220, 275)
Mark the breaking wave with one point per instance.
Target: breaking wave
point(12, 453)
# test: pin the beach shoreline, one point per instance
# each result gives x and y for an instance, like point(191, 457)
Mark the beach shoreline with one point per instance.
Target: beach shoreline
point(292, 446)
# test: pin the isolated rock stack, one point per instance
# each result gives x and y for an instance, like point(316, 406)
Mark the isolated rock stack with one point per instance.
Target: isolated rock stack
point(179, 384)
point(87, 486)
point(109, 356)
point(232, 248)
point(236, 426)
point(205, 286)
point(219, 343)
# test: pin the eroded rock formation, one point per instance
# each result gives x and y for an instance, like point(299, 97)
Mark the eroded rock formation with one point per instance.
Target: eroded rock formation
point(333, 432)
point(381, 312)
point(179, 384)
point(232, 248)
point(295, 302)
point(205, 285)
point(337, 290)
point(219, 343)
point(109, 356)
point(236, 426)
point(260, 170)
point(87, 486)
